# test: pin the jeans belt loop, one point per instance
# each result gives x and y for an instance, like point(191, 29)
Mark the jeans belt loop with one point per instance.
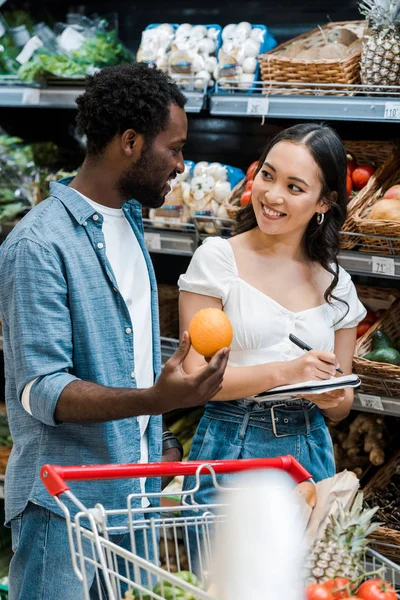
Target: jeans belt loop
point(244, 425)
point(273, 420)
point(307, 419)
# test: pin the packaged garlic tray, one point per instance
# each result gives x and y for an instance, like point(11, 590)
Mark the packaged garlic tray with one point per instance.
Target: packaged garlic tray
point(238, 66)
point(202, 189)
point(156, 44)
point(193, 58)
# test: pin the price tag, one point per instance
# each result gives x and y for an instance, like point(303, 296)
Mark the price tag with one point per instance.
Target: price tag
point(258, 106)
point(392, 111)
point(368, 401)
point(382, 265)
point(31, 96)
point(153, 240)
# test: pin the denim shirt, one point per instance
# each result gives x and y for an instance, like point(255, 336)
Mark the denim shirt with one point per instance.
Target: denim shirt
point(64, 319)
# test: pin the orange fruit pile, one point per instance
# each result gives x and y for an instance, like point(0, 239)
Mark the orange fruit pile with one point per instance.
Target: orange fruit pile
point(210, 330)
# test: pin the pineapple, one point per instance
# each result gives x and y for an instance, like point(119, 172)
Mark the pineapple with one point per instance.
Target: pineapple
point(340, 552)
point(380, 59)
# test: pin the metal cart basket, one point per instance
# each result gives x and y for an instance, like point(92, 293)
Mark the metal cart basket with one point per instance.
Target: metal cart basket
point(164, 540)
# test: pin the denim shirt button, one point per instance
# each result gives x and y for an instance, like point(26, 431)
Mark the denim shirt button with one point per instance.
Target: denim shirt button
point(133, 374)
point(100, 245)
point(128, 330)
point(95, 217)
point(84, 223)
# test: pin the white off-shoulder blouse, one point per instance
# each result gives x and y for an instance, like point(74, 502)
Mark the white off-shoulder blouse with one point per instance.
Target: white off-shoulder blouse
point(262, 326)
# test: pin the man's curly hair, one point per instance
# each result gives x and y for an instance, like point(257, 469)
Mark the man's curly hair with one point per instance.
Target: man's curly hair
point(133, 96)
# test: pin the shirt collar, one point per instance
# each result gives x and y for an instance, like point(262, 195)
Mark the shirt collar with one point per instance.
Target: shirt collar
point(79, 208)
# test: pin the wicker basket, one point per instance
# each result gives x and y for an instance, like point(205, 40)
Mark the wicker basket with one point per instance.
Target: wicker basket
point(386, 176)
point(169, 310)
point(377, 298)
point(390, 324)
point(384, 536)
point(276, 67)
point(370, 152)
point(232, 205)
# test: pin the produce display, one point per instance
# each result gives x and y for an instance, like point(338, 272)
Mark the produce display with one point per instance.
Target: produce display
point(387, 499)
point(359, 442)
point(187, 52)
point(202, 189)
point(36, 51)
point(387, 209)
point(384, 350)
point(380, 59)
point(339, 43)
point(237, 58)
point(357, 175)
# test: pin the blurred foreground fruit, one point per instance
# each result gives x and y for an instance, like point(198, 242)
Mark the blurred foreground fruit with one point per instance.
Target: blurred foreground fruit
point(210, 330)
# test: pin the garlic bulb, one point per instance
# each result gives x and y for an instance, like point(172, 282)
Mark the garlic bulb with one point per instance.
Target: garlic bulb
point(198, 32)
point(213, 33)
point(222, 190)
point(183, 30)
point(208, 183)
point(186, 191)
point(200, 168)
point(207, 46)
point(249, 65)
point(251, 48)
point(245, 27)
point(257, 35)
point(167, 28)
point(197, 63)
point(246, 81)
point(228, 32)
point(210, 64)
point(202, 78)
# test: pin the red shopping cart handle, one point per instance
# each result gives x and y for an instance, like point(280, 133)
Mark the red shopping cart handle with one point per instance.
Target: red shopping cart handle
point(54, 477)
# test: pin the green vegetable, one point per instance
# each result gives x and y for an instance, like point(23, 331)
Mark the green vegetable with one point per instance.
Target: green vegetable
point(103, 50)
point(397, 344)
point(381, 340)
point(384, 355)
point(171, 592)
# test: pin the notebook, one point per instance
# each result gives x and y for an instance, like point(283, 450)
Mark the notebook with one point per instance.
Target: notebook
point(313, 387)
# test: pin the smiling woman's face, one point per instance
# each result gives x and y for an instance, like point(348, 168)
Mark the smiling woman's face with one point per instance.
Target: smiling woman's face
point(287, 190)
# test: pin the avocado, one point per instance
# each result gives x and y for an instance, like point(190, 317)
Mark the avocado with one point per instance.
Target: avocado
point(384, 355)
point(381, 340)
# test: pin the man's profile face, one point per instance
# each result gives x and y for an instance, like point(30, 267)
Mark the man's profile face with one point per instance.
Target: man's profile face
point(160, 161)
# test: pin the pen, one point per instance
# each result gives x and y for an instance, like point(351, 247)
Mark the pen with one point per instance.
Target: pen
point(305, 346)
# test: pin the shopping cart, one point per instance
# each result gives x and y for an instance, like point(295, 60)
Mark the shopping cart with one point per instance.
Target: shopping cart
point(164, 540)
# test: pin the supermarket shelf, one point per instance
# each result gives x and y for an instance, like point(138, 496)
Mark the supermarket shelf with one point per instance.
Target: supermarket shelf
point(65, 97)
point(168, 347)
point(359, 263)
point(303, 107)
point(288, 100)
point(181, 241)
point(376, 404)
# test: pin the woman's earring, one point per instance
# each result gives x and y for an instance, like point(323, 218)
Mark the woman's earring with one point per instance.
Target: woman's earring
point(320, 218)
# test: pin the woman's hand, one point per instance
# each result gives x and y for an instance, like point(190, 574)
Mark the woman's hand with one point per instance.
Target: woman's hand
point(327, 400)
point(314, 365)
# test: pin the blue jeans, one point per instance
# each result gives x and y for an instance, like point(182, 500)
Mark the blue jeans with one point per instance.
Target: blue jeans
point(41, 568)
point(246, 429)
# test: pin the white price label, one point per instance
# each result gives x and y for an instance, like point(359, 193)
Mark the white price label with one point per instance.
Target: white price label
point(258, 106)
point(368, 401)
point(29, 49)
point(392, 111)
point(153, 240)
point(381, 265)
point(31, 96)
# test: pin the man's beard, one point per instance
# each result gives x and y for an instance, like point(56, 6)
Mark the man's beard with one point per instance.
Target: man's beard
point(139, 182)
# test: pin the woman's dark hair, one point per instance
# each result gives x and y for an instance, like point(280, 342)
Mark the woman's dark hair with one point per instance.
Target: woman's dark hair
point(321, 242)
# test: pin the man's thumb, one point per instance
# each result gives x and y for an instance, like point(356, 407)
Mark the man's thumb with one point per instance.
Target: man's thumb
point(184, 347)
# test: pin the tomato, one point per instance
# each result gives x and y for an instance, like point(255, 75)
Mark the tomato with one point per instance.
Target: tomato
point(351, 161)
point(361, 175)
point(317, 591)
point(376, 589)
point(338, 587)
point(349, 184)
point(251, 171)
point(249, 185)
point(370, 317)
point(246, 198)
point(363, 328)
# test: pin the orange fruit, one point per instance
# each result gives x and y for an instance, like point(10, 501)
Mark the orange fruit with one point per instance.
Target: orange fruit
point(210, 330)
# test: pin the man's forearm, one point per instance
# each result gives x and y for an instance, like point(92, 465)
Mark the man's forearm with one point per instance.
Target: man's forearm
point(86, 402)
